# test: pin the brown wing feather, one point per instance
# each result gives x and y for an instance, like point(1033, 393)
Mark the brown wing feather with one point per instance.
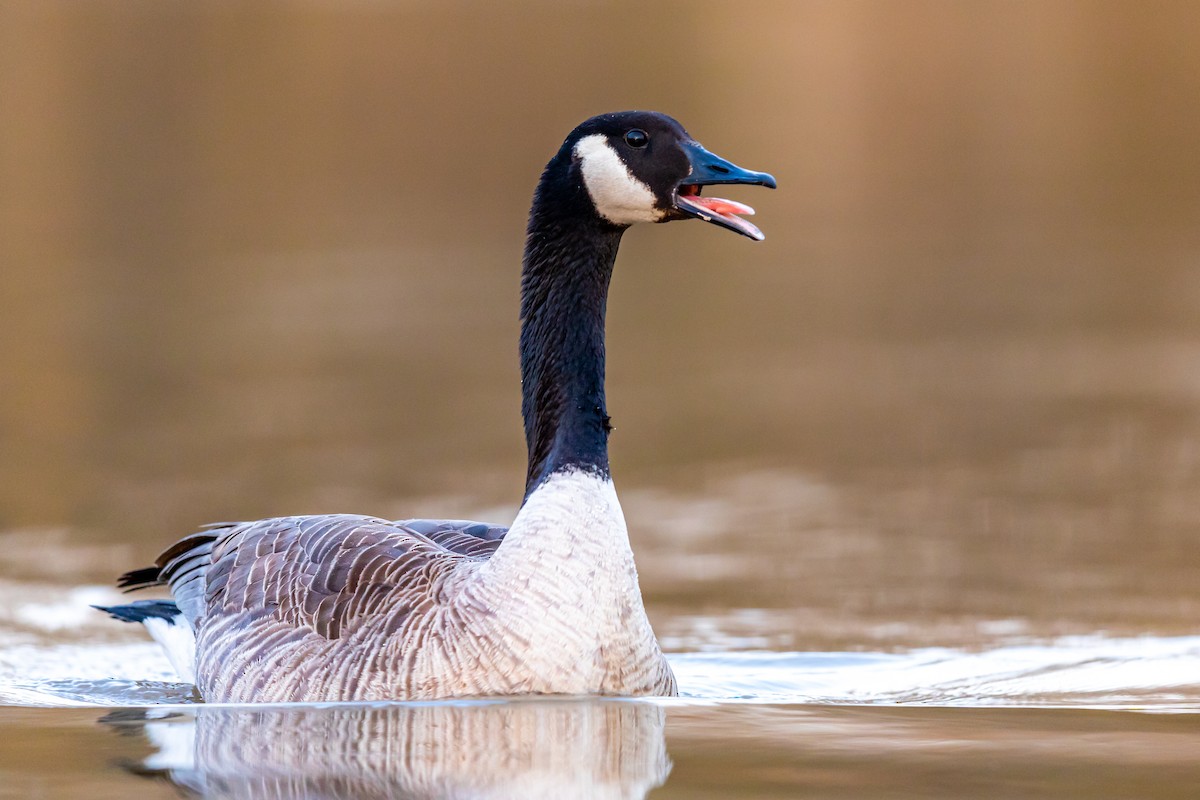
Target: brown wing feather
point(324, 573)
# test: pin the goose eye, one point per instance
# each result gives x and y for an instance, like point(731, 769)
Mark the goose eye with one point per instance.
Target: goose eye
point(637, 138)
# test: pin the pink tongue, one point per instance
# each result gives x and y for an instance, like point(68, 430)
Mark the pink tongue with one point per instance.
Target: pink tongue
point(719, 205)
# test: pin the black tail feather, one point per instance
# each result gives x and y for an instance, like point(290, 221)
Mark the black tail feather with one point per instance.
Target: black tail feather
point(139, 579)
point(143, 610)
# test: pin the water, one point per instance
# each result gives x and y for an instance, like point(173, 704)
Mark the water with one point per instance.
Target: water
point(1048, 719)
point(1025, 716)
point(621, 749)
point(914, 485)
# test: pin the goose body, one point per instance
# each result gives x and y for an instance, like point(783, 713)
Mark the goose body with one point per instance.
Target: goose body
point(347, 607)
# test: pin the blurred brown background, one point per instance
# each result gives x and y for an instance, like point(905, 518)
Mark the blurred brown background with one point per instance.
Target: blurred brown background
point(259, 259)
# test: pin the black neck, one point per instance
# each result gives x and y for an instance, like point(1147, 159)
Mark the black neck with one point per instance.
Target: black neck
point(569, 255)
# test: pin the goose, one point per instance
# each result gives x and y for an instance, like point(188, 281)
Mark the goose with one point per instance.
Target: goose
point(345, 607)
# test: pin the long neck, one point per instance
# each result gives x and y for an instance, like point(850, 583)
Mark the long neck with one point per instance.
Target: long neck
point(569, 255)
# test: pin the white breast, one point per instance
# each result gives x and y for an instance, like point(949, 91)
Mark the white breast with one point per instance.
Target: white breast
point(564, 581)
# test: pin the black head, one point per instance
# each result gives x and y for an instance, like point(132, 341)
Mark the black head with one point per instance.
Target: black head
point(642, 166)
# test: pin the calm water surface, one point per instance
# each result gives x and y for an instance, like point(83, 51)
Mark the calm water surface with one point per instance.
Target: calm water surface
point(914, 485)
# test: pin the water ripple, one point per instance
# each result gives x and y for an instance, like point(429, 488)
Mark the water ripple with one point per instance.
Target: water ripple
point(1084, 671)
point(1079, 670)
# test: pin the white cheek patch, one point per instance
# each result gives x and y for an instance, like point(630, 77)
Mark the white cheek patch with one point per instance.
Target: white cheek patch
point(618, 196)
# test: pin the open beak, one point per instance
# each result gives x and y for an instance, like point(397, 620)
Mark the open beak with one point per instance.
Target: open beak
point(708, 170)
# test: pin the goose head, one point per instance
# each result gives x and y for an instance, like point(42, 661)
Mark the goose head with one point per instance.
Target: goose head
point(642, 166)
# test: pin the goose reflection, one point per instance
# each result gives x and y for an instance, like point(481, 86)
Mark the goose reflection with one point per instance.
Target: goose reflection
point(525, 748)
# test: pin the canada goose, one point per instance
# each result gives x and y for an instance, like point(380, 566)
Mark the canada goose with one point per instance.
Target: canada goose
point(342, 607)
